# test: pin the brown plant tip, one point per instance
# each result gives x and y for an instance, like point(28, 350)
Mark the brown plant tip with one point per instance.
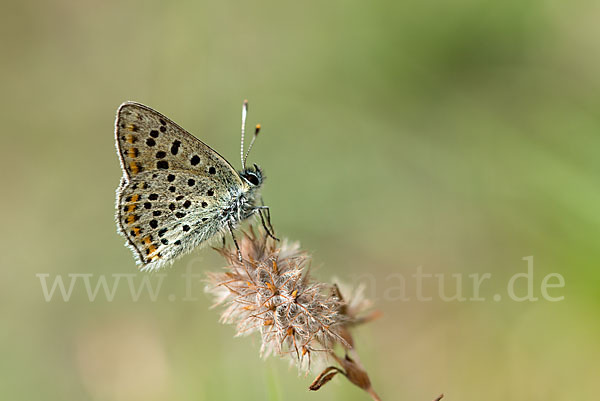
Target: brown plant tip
point(324, 377)
point(271, 292)
point(355, 373)
point(352, 370)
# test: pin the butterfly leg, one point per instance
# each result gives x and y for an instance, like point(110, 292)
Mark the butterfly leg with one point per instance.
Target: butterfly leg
point(268, 213)
point(262, 220)
point(234, 241)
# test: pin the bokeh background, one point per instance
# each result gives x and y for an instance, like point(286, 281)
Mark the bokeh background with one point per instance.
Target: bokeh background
point(459, 136)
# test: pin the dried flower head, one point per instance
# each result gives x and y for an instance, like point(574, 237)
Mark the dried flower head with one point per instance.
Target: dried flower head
point(271, 292)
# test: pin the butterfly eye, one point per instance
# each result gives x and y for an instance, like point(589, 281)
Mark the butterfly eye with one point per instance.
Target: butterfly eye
point(253, 179)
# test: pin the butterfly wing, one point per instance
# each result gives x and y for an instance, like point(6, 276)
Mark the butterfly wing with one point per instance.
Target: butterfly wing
point(147, 140)
point(174, 187)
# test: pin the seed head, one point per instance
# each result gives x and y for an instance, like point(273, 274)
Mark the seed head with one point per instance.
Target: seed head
point(271, 292)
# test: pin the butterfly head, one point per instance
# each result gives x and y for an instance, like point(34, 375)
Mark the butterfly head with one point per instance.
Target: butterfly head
point(253, 176)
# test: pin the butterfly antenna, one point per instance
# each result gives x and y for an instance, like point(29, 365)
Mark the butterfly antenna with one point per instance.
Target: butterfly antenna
point(244, 114)
point(256, 131)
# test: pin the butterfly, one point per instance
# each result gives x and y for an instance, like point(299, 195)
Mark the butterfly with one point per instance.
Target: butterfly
point(176, 192)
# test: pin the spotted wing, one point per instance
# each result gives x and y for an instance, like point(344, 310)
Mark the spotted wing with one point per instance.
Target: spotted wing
point(174, 186)
point(165, 215)
point(146, 141)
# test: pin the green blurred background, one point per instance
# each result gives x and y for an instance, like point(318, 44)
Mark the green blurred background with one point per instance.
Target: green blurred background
point(460, 136)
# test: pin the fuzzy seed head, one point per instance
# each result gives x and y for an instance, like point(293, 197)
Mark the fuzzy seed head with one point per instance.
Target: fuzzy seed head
point(270, 292)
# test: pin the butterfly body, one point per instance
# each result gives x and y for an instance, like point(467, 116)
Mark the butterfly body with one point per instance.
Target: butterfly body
point(176, 192)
